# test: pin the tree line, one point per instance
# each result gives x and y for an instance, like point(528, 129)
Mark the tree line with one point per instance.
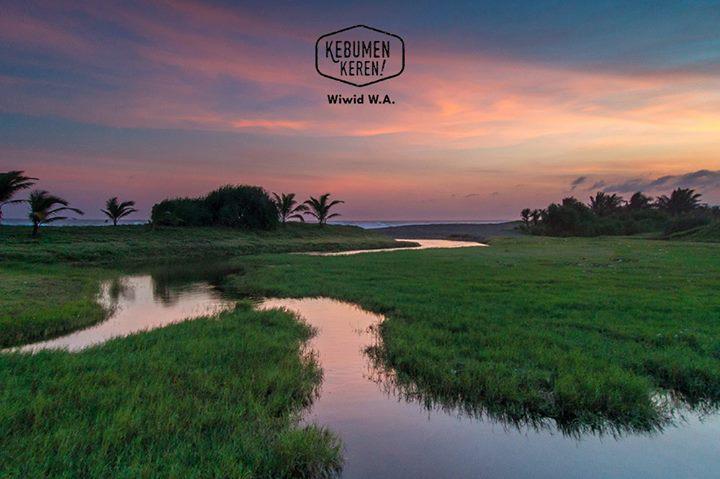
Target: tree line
point(239, 206)
point(611, 214)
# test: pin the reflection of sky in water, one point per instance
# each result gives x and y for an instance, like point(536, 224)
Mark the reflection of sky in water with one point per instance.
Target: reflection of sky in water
point(388, 437)
point(424, 244)
point(140, 303)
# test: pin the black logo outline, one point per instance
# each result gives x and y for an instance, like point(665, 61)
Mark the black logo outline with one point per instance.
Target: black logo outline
point(317, 62)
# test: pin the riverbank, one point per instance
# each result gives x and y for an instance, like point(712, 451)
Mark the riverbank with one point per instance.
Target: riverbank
point(454, 231)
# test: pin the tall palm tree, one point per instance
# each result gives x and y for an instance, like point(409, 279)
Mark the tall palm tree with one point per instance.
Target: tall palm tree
point(319, 208)
point(288, 208)
point(603, 204)
point(115, 210)
point(10, 183)
point(681, 200)
point(639, 201)
point(44, 207)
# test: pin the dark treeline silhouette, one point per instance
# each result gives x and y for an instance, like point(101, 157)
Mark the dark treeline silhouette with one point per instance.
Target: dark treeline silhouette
point(611, 214)
point(241, 206)
point(46, 208)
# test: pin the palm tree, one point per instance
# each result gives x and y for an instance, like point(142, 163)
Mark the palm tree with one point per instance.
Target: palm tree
point(319, 208)
point(681, 200)
point(115, 210)
point(10, 183)
point(44, 207)
point(603, 204)
point(639, 201)
point(288, 208)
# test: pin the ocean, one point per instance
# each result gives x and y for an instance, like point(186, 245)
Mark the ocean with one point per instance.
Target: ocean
point(366, 224)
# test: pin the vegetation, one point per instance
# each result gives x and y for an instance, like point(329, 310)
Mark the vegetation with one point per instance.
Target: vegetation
point(10, 183)
point(146, 244)
point(246, 207)
point(288, 208)
point(44, 208)
point(41, 301)
point(610, 214)
point(319, 208)
point(203, 398)
point(583, 332)
point(116, 210)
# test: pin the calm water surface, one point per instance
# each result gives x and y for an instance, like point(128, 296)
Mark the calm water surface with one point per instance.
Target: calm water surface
point(424, 244)
point(387, 437)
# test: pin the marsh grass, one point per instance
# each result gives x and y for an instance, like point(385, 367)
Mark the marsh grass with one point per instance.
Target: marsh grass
point(582, 332)
point(213, 397)
point(40, 301)
point(125, 245)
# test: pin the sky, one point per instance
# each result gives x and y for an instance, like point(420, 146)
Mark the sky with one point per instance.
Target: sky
point(502, 104)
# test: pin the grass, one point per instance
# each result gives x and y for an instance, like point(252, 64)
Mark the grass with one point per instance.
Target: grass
point(585, 332)
point(204, 398)
point(43, 301)
point(141, 244)
point(709, 233)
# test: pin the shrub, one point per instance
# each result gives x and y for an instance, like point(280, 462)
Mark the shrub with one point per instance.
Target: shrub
point(684, 223)
point(247, 207)
point(181, 212)
point(242, 206)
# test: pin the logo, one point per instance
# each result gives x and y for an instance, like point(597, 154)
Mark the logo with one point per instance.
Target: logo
point(360, 55)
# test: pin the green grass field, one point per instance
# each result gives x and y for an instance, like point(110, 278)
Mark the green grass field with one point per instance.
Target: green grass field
point(580, 331)
point(204, 398)
point(124, 245)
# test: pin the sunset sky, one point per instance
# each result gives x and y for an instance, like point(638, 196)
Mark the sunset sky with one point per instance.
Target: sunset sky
point(502, 104)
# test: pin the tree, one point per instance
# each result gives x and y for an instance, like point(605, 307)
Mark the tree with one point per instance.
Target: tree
point(44, 207)
point(525, 215)
point(681, 200)
point(639, 201)
point(10, 183)
point(288, 208)
point(603, 204)
point(319, 208)
point(115, 210)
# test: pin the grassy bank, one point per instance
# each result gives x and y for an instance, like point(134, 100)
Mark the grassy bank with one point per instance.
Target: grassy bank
point(42, 301)
point(204, 398)
point(582, 331)
point(140, 244)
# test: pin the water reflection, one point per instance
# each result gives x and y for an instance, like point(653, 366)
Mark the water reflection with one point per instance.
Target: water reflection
point(145, 301)
point(392, 429)
point(424, 244)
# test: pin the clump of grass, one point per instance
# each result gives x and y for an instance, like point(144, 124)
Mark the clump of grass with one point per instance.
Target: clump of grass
point(214, 397)
point(40, 301)
point(583, 332)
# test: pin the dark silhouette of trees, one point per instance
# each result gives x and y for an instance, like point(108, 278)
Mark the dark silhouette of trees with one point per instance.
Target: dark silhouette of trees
point(319, 208)
point(288, 208)
point(44, 208)
point(639, 201)
point(603, 204)
point(10, 183)
point(116, 210)
point(681, 200)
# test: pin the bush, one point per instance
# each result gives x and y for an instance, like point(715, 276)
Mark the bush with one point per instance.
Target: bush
point(247, 207)
point(242, 206)
point(181, 212)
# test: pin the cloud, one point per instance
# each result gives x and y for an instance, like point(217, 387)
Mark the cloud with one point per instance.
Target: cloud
point(695, 179)
point(577, 182)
